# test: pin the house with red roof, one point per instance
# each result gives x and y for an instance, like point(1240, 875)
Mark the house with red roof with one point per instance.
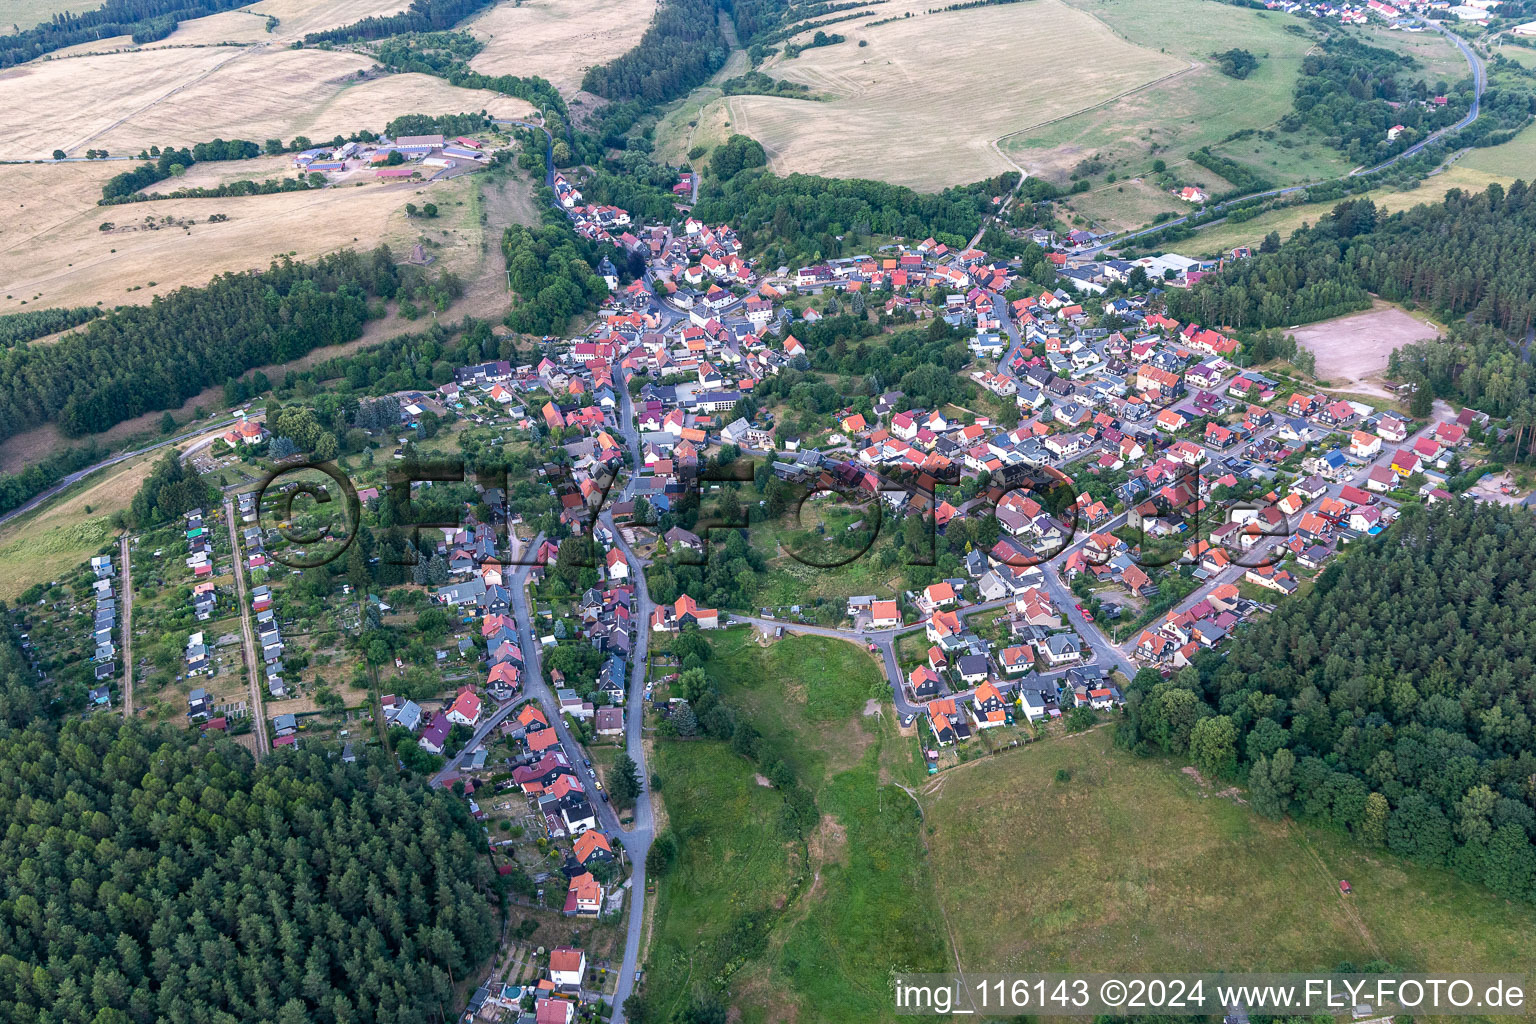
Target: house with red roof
point(584, 896)
point(465, 709)
point(567, 965)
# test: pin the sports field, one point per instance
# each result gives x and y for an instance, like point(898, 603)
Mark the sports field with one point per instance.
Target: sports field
point(1353, 349)
point(557, 39)
point(924, 101)
point(1132, 865)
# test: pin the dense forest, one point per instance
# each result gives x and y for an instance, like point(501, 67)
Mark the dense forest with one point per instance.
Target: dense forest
point(1472, 254)
point(145, 20)
point(141, 359)
point(36, 323)
point(800, 215)
point(1395, 699)
point(420, 16)
point(150, 875)
point(553, 273)
point(172, 489)
point(1353, 93)
point(681, 48)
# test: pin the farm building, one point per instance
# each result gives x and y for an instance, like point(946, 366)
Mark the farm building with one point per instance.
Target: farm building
point(418, 143)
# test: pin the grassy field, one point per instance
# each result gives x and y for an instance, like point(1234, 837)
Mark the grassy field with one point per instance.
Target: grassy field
point(1202, 107)
point(1514, 159)
point(49, 541)
point(1519, 54)
point(1225, 236)
point(836, 911)
point(908, 106)
point(1132, 865)
point(557, 39)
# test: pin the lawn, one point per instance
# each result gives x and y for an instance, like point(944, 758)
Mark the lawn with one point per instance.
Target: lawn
point(45, 543)
point(814, 923)
point(1133, 865)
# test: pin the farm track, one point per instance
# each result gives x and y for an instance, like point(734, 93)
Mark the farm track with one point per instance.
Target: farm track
point(242, 52)
point(127, 628)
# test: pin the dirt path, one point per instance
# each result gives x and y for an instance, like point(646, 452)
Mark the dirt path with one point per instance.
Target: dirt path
point(1345, 903)
point(505, 200)
point(127, 629)
point(258, 716)
point(954, 946)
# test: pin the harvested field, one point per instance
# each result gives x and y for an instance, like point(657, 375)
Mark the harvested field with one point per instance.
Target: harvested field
point(297, 17)
point(904, 108)
point(1351, 350)
point(124, 102)
point(61, 103)
point(67, 260)
point(296, 92)
point(557, 39)
point(26, 13)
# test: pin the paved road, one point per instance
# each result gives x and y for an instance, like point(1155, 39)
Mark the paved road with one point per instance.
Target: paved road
point(636, 842)
point(248, 638)
point(81, 474)
point(127, 627)
point(1479, 83)
point(1235, 572)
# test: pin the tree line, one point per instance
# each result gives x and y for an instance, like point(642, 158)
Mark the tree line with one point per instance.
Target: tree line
point(553, 273)
point(171, 490)
point(1471, 254)
point(145, 20)
point(800, 216)
point(37, 323)
point(1393, 700)
point(165, 877)
point(139, 359)
point(681, 49)
point(420, 16)
point(1352, 93)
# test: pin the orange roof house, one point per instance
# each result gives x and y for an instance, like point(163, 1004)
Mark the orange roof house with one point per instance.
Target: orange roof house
point(592, 843)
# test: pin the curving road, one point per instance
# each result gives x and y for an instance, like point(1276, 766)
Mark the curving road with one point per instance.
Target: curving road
point(81, 474)
point(1479, 84)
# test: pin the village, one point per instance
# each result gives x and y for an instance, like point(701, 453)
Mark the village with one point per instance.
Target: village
point(1149, 495)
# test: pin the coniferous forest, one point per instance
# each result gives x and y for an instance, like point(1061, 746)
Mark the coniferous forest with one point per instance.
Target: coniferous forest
point(1394, 700)
point(145, 20)
point(141, 359)
point(146, 875)
point(1473, 254)
point(681, 48)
